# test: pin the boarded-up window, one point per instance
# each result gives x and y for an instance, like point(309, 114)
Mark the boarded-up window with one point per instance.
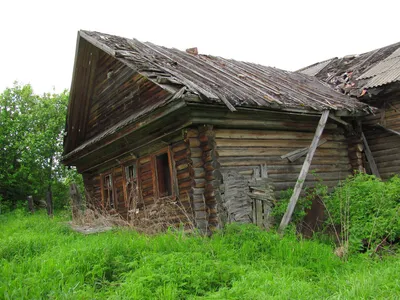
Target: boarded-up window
point(164, 183)
point(108, 191)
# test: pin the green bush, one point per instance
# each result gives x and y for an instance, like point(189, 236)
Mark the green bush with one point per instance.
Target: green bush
point(366, 211)
point(299, 212)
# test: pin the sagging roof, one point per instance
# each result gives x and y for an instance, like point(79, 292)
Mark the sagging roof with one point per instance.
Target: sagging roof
point(223, 81)
point(355, 74)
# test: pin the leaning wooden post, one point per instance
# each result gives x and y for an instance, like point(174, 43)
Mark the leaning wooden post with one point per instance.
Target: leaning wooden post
point(370, 157)
point(30, 205)
point(76, 201)
point(303, 173)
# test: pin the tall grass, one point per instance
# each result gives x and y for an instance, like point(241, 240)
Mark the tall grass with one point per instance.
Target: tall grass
point(42, 258)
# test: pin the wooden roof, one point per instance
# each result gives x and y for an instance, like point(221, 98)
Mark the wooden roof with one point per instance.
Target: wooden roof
point(175, 76)
point(369, 70)
point(225, 81)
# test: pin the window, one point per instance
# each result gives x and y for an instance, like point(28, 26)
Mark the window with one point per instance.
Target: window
point(130, 173)
point(130, 184)
point(164, 182)
point(108, 195)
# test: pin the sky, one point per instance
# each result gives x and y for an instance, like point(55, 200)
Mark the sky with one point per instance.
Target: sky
point(38, 38)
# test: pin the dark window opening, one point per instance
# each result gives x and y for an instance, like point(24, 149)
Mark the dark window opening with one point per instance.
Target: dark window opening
point(108, 191)
point(163, 175)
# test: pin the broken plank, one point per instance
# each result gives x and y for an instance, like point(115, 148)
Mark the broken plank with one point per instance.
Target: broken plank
point(295, 155)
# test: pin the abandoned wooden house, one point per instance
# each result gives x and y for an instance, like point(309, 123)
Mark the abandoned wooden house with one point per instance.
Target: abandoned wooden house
point(373, 78)
point(218, 138)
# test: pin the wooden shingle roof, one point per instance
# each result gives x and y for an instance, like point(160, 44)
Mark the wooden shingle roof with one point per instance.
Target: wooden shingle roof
point(217, 80)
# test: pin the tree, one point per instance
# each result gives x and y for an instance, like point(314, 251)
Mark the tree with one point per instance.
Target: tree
point(31, 138)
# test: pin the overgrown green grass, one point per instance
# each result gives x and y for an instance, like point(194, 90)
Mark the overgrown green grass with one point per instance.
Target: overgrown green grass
point(42, 258)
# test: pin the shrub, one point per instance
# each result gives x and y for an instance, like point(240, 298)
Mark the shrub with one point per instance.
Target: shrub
point(366, 209)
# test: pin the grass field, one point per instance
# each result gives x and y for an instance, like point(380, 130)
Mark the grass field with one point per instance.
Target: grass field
point(42, 258)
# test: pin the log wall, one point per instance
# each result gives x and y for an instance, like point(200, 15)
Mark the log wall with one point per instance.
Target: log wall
point(245, 150)
point(385, 145)
point(147, 205)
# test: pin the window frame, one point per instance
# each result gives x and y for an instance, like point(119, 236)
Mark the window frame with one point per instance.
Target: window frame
point(134, 163)
point(166, 150)
point(104, 188)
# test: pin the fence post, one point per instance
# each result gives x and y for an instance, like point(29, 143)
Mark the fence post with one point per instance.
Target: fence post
point(30, 205)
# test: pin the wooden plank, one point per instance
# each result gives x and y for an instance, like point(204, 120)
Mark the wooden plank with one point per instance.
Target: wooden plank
point(370, 157)
point(295, 155)
point(389, 130)
point(303, 173)
point(259, 213)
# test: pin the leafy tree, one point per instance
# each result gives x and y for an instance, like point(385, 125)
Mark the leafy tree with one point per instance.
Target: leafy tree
point(31, 138)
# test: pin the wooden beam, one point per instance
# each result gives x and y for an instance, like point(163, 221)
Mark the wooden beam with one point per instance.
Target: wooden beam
point(296, 154)
point(339, 120)
point(387, 129)
point(303, 173)
point(371, 160)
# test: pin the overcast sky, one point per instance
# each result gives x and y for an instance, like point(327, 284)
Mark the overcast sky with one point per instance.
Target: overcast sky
point(38, 37)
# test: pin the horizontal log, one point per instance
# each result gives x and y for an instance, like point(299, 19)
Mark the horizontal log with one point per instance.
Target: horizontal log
point(212, 165)
point(254, 123)
point(274, 152)
point(144, 160)
point(200, 214)
point(182, 166)
point(198, 191)
point(271, 135)
point(199, 183)
point(194, 142)
point(199, 173)
point(214, 174)
point(276, 160)
point(191, 132)
point(203, 137)
point(277, 143)
point(180, 155)
point(207, 146)
point(183, 175)
point(293, 177)
point(210, 155)
point(183, 184)
point(196, 152)
point(179, 146)
point(196, 162)
point(392, 169)
point(385, 145)
point(199, 197)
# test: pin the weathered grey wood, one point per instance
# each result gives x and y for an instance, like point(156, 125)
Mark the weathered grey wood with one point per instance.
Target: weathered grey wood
point(389, 130)
point(295, 155)
point(370, 157)
point(303, 173)
point(76, 201)
point(339, 120)
point(259, 206)
point(30, 204)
